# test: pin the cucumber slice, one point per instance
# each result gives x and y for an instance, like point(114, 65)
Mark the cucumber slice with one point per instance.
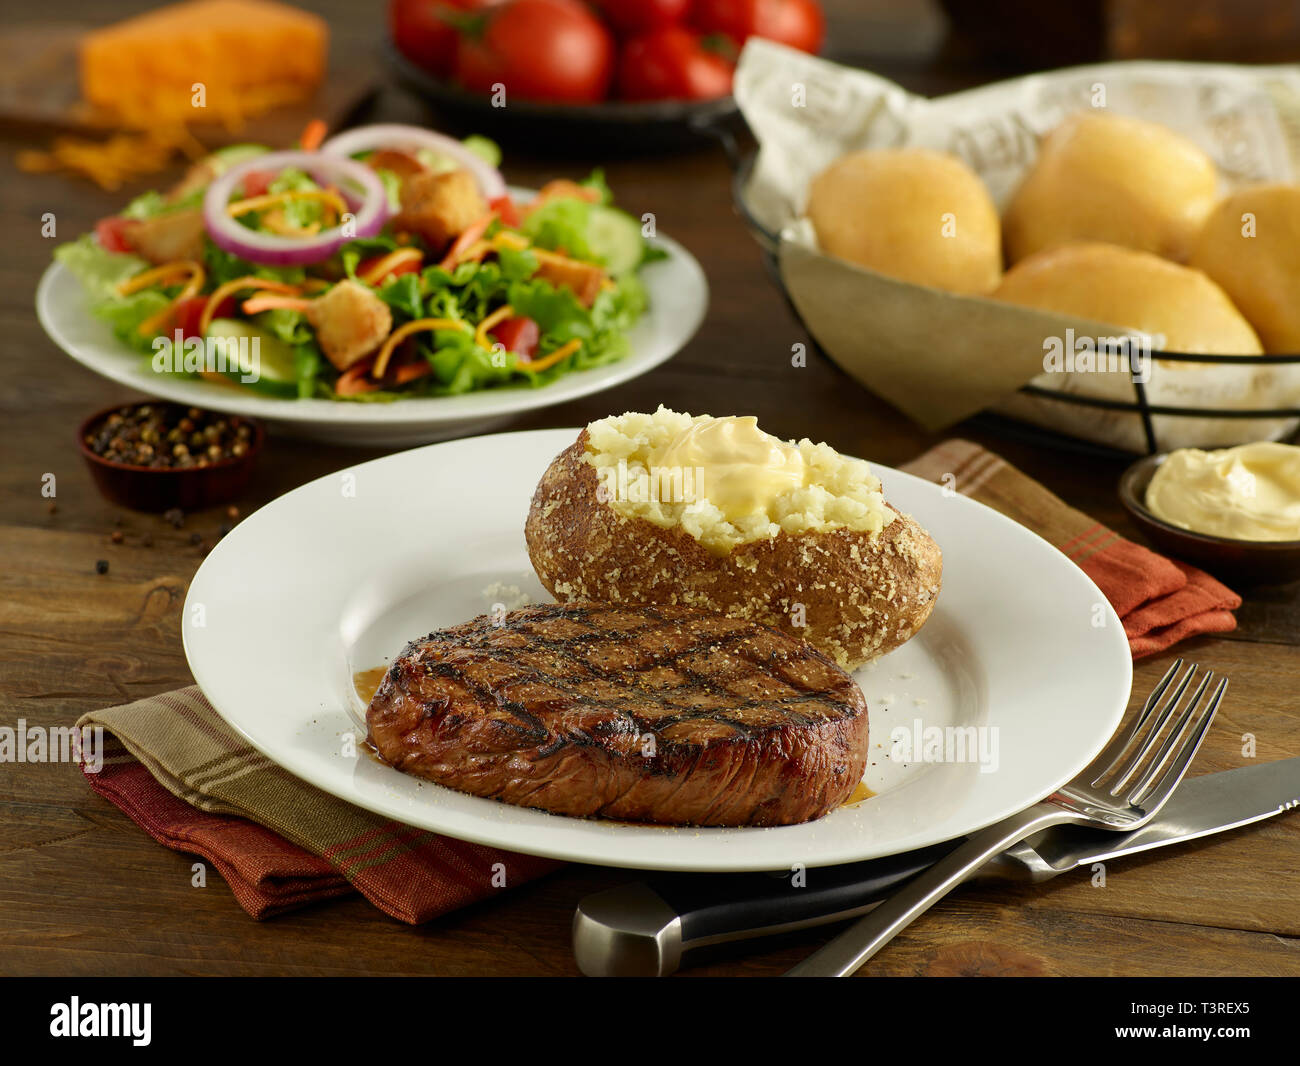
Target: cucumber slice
point(615, 236)
point(232, 155)
point(485, 149)
point(273, 363)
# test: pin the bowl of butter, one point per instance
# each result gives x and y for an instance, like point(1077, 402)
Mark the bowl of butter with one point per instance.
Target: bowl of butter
point(1232, 511)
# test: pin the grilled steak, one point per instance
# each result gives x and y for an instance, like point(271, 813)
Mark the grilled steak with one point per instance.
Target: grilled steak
point(647, 714)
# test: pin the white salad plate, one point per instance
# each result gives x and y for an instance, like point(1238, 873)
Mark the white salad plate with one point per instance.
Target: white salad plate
point(676, 289)
point(1022, 654)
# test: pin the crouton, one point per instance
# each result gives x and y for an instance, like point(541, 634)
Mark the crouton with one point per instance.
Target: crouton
point(350, 322)
point(175, 235)
point(403, 164)
point(438, 207)
point(584, 279)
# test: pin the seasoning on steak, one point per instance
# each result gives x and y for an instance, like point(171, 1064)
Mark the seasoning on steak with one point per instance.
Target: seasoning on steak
point(647, 714)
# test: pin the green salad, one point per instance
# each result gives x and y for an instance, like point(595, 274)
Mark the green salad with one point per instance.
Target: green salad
point(388, 262)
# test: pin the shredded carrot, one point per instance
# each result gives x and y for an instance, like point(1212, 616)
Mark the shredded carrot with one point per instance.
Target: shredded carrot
point(546, 362)
point(400, 334)
point(468, 236)
point(404, 375)
point(233, 286)
point(391, 262)
point(275, 199)
point(313, 135)
point(353, 381)
point(484, 327)
point(270, 301)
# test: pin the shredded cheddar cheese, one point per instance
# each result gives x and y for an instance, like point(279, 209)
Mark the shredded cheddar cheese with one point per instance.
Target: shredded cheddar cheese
point(159, 275)
point(485, 327)
point(400, 334)
point(559, 355)
point(151, 77)
point(114, 162)
point(328, 197)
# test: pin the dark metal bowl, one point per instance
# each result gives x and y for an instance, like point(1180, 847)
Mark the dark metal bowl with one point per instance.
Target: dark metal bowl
point(1261, 562)
point(148, 488)
point(621, 127)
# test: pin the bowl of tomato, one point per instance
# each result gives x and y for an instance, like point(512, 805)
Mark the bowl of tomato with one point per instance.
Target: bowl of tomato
point(638, 75)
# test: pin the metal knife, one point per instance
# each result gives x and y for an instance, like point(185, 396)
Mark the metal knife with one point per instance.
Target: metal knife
point(643, 929)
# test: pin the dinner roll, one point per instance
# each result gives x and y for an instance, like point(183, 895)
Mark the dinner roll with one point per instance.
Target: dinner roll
point(1135, 291)
point(1251, 246)
point(1105, 177)
point(910, 213)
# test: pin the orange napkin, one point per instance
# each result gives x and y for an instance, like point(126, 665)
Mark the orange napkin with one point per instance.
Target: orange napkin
point(1160, 601)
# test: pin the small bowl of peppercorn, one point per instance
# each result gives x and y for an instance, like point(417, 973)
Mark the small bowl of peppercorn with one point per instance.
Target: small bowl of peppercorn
point(154, 456)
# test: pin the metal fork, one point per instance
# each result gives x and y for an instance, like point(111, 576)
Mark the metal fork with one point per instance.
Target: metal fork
point(1116, 791)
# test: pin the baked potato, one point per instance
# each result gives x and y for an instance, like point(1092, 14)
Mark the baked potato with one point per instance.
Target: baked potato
point(854, 593)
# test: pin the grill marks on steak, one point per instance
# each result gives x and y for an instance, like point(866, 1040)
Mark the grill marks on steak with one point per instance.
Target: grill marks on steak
point(655, 714)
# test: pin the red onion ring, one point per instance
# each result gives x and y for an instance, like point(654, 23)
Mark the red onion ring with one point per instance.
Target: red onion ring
point(397, 136)
point(371, 209)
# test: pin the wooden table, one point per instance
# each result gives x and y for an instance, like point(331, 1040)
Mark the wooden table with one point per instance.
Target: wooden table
point(84, 891)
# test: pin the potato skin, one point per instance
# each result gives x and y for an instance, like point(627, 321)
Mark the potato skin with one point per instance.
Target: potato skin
point(863, 595)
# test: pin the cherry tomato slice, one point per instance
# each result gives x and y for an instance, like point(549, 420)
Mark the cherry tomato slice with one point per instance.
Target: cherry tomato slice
point(519, 335)
point(112, 233)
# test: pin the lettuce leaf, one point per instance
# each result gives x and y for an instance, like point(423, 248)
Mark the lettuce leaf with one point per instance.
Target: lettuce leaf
point(354, 252)
point(153, 203)
point(99, 271)
point(402, 294)
point(125, 313)
point(286, 325)
point(222, 266)
point(561, 223)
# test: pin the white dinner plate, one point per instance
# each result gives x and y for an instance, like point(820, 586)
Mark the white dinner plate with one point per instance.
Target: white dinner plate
point(336, 576)
point(676, 288)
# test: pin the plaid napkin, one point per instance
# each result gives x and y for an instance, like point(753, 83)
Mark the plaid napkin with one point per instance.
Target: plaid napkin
point(1160, 601)
point(176, 769)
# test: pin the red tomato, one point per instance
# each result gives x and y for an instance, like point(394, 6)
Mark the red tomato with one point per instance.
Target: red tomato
point(631, 17)
point(539, 50)
point(406, 266)
point(425, 32)
point(672, 64)
point(506, 210)
point(519, 335)
point(798, 23)
point(112, 233)
point(186, 314)
point(256, 182)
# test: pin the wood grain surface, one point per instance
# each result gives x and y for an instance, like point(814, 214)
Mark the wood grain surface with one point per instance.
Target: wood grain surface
point(84, 891)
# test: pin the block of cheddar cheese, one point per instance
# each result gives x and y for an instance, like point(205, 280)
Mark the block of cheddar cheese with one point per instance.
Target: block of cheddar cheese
point(232, 57)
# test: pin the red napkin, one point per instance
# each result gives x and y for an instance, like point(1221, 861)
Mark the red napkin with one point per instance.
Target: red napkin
point(176, 769)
